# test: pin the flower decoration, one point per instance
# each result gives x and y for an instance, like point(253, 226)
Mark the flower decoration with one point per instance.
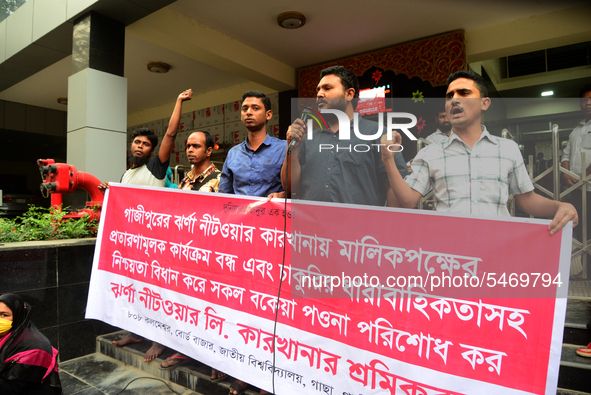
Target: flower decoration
point(377, 75)
point(418, 96)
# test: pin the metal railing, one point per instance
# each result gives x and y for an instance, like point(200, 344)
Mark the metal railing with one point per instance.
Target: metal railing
point(176, 173)
point(583, 247)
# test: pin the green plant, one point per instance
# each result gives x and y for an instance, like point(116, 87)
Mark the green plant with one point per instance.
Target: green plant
point(45, 224)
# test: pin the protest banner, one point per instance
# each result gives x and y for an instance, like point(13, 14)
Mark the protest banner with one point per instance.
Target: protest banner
point(306, 297)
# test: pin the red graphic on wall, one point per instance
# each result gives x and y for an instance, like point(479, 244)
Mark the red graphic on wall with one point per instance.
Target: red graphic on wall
point(377, 75)
point(421, 124)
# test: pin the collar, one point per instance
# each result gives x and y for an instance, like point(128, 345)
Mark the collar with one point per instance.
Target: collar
point(205, 172)
point(266, 141)
point(485, 134)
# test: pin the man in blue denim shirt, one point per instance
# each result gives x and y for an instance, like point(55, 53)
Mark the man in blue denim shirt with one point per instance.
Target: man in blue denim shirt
point(252, 168)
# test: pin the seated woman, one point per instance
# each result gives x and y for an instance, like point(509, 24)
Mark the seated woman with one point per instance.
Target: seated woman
point(28, 362)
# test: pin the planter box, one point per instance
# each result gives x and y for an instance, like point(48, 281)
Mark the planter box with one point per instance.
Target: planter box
point(53, 277)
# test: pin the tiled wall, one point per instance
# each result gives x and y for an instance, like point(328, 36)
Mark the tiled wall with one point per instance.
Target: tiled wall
point(54, 280)
point(25, 118)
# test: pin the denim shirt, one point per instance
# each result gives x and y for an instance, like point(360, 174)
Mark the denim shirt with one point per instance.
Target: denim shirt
point(254, 173)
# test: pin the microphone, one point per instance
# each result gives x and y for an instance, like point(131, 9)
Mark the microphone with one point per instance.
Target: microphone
point(307, 114)
point(292, 144)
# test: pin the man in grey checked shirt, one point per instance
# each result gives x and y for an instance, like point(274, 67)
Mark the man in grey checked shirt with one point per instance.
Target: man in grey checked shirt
point(472, 171)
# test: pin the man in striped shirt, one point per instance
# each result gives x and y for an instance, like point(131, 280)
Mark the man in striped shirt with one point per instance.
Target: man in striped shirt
point(472, 171)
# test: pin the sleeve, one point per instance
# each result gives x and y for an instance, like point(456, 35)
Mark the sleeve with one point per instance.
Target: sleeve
point(420, 178)
point(519, 180)
point(226, 178)
point(157, 168)
point(567, 150)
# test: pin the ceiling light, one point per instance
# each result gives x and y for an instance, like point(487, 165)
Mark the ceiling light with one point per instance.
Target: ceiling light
point(62, 100)
point(291, 20)
point(548, 93)
point(158, 67)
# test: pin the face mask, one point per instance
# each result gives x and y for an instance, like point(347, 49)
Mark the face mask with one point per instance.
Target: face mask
point(5, 325)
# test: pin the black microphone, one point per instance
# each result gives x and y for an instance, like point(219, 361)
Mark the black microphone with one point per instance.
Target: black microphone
point(306, 114)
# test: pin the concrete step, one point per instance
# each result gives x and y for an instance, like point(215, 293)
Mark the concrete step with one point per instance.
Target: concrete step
point(578, 315)
point(574, 379)
point(575, 371)
point(570, 358)
point(97, 374)
point(578, 312)
point(192, 374)
point(576, 336)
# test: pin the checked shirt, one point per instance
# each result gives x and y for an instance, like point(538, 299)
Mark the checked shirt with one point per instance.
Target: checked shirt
point(468, 180)
point(210, 186)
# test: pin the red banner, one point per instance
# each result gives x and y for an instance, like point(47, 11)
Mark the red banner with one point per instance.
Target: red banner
point(302, 297)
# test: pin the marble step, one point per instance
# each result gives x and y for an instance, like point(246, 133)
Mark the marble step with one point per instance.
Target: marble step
point(562, 391)
point(95, 374)
point(192, 375)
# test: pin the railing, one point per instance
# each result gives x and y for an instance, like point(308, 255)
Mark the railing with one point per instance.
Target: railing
point(580, 248)
point(176, 173)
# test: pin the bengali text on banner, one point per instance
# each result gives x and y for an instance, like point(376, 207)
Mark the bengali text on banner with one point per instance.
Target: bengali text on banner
point(325, 298)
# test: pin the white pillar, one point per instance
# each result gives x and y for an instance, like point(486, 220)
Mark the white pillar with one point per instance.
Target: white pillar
point(97, 123)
